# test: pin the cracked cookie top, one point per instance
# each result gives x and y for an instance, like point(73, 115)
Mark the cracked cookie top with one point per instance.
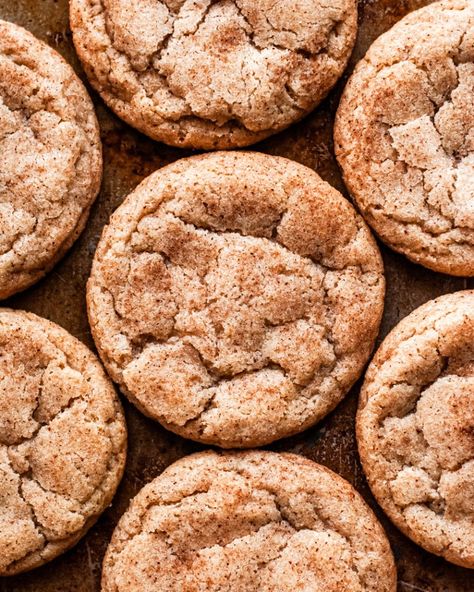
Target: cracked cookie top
point(235, 297)
point(213, 73)
point(415, 426)
point(253, 522)
point(50, 158)
point(404, 136)
point(62, 441)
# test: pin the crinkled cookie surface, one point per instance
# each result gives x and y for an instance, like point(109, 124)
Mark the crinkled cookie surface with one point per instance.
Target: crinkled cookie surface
point(235, 297)
point(404, 136)
point(213, 73)
point(253, 522)
point(415, 426)
point(62, 441)
point(50, 158)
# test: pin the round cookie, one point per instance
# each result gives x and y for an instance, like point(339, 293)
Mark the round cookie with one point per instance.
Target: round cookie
point(62, 441)
point(404, 140)
point(253, 522)
point(50, 158)
point(213, 73)
point(415, 426)
point(235, 297)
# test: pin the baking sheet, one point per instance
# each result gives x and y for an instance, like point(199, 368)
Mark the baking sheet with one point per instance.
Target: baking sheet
point(128, 158)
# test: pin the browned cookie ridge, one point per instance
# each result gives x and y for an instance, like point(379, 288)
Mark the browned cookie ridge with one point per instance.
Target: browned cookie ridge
point(62, 441)
point(404, 136)
point(235, 297)
point(213, 73)
point(252, 522)
point(415, 426)
point(50, 158)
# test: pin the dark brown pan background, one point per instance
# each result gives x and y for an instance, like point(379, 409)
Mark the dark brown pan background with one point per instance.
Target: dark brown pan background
point(128, 158)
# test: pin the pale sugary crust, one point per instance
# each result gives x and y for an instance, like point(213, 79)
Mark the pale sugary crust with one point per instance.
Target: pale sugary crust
point(213, 74)
point(250, 521)
point(415, 426)
point(62, 441)
point(235, 297)
point(403, 136)
point(50, 158)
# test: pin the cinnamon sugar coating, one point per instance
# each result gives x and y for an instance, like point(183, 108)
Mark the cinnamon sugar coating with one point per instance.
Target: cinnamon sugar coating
point(62, 441)
point(415, 426)
point(404, 136)
point(253, 522)
point(235, 297)
point(50, 158)
point(213, 73)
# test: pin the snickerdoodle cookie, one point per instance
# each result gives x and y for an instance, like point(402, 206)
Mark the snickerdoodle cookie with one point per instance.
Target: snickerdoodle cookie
point(62, 441)
point(50, 158)
point(415, 426)
point(404, 136)
point(252, 522)
point(213, 73)
point(235, 297)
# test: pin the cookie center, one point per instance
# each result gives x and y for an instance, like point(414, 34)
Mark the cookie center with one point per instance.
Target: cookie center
point(241, 303)
point(445, 413)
